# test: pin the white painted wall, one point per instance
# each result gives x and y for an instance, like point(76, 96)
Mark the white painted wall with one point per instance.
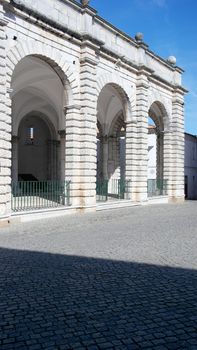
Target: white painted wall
point(190, 163)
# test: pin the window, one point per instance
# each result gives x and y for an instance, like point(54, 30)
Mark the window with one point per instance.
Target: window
point(30, 135)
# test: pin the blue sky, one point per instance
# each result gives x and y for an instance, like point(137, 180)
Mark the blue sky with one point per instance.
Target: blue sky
point(170, 28)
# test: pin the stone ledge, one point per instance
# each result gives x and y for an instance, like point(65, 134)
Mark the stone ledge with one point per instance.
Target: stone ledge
point(25, 216)
point(158, 200)
point(180, 199)
point(116, 204)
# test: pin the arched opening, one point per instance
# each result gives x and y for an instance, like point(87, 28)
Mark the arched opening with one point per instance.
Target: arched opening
point(111, 131)
point(38, 123)
point(37, 150)
point(117, 147)
point(156, 126)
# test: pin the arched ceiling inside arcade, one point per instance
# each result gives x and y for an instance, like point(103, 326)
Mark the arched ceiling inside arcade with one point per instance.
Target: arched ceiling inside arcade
point(110, 105)
point(37, 87)
point(158, 115)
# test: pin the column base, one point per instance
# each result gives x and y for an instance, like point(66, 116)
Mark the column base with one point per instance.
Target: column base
point(139, 197)
point(82, 201)
point(177, 200)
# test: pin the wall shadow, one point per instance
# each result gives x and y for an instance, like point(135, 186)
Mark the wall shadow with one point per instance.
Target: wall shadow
point(52, 301)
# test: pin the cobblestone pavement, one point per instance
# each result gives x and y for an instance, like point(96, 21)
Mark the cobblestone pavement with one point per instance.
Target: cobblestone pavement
point(122, 279)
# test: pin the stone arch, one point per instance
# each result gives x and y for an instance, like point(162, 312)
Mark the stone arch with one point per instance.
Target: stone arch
point(99, 130)
point(39, 114)
point(51, 56)
point(117, 124)
point(123, 88)
point(25, 110)
point(121, 112)
point(70, 89)
point(157, 112)
point(117, 136)
point(37, 151)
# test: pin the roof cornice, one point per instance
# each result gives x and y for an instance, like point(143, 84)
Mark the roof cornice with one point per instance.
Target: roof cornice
point(93, 13)
point(79, 38)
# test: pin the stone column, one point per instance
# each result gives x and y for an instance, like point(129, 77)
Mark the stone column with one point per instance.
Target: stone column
point(89, 116)
point(131, 161)
point(117, 157)
point(15, 158)
point(5, 128)
point(73, 148)
point(52, 171)
point(142, 85)
point(61, 155)
point(159, 154)
point(167, 161)
point(114, 157)
point(176, 161)
point(56, 154)
point(49, 160)
point(105, 156)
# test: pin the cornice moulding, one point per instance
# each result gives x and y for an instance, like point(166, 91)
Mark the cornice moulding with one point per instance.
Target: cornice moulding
point(180, 89)
point(92, 13)
point(144, 70)
point(164, 83)
point(88, 40)
point(70, 107)
point(98, 45)
point(163, 61)
point(3, 22)
point(89, 60)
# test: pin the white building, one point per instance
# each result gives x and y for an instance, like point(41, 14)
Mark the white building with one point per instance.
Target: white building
point(69, 79)
point(190, 166)
point(190, 161)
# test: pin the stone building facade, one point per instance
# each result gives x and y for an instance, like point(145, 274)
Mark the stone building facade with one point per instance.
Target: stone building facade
point(71, 83)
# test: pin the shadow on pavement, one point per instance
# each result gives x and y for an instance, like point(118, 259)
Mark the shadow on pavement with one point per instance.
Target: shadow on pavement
point(51, 301)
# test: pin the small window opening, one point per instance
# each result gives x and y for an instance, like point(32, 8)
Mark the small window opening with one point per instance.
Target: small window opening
point(30, 135)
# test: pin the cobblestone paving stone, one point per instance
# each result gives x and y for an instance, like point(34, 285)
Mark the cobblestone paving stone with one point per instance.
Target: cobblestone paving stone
point(122, 279)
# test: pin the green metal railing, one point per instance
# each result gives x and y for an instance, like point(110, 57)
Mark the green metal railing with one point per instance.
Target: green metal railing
point(101, 190)
point(114, 188)
point(157, 187)
point(31, 195)
point(118, 188)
